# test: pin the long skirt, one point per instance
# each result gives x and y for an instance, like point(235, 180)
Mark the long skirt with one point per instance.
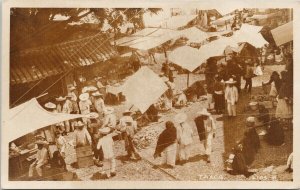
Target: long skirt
point(169, 155)
point(219, 101)
point(283, 110)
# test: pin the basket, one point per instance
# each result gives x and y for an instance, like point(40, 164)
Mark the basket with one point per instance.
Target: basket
point(253, 105)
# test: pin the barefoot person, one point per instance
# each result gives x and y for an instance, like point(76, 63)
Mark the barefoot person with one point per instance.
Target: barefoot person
point(41, 159)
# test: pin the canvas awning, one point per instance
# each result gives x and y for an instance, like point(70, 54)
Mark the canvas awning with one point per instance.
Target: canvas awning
point(223, 20)
point(194, 34)
point(264, 16)
point(251, 36)
point(31, 116)
point(143, 88)
point(187, 57)
point(283, 33)
point(148, 38)
point(252, 28)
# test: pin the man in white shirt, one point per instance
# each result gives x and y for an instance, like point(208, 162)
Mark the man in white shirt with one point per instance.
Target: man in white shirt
point(41, 159)
point(99, 103)
point(67, 108)
point(109, 162)
point(231, 97)
point(84, 106)
point(110, 119)
point(82, 136)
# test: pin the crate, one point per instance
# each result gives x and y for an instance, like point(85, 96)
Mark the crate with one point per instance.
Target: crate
point(86, 161)
point(84, 151)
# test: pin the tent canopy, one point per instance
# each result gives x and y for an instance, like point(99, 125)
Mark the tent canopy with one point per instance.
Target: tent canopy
point(194, 34)
point(187, 57)
point(223, 20)
point(283, 33)
point(31, 116)
point(148, 38)
point(143, 88)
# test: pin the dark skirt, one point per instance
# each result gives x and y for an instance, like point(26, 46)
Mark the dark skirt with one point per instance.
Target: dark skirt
point(219, 101)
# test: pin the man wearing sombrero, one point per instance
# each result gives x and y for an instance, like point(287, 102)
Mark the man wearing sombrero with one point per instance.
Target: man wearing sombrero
point(84, 106)
point(99, 103)
point(41, 159)
point(231, 97)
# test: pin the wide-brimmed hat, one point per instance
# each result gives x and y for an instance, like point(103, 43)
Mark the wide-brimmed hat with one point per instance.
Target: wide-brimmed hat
point(109, 110)
point(204, 112)
point(41, 142)
point(50, 105)
point(72, 88)
point(79, 124)
point(230, 81)
point(84, 97)
point(250, 119)
point(97, 93)
point(93, 115)
point(180, 117)
point(59, 99)
point(104, 130)
point(97, 78)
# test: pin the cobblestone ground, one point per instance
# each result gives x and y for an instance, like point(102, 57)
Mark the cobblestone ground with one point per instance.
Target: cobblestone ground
point(269, 161)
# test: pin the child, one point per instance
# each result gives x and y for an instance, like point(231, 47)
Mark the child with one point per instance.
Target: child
point(106, 143)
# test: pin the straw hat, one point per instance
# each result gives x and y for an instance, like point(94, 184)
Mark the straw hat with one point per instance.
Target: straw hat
point(109, 110)
point(60, 99)
point(93, 115)
point(97, 78)
point(230, 81)
point(104, 130)
point(50, 105)
point(97, 94)
point(80, 124)
point(250, 119)
point(180, 117)
point(84, 97)
point(72, 88)
point(204, 112)
point(92, 88)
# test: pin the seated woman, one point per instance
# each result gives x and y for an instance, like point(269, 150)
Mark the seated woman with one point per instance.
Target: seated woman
point(238, 162)
point(275, 134)
point(58, 161)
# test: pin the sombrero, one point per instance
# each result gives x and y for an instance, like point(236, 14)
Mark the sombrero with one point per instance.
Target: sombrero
point(230, 81)
point(97, 78)
point(50, 105)
point(93, 115)
point(59, 99)
point(250, 119)
point(109, 110)
point(97, 94)
point(104, 130)
point(79, 124)
point(84, 97)
point(180, 117)
point(204, 112)
point(92, 88)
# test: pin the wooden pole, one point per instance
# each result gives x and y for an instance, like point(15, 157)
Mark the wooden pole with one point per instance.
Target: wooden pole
point(188, 79)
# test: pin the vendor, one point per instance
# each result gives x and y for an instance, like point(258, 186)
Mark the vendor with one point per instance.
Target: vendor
point(110, 119)
point(84, 106)
point(82, 136)
point(41, 159)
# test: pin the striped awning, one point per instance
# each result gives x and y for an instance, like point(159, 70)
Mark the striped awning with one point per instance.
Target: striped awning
point(38, 63)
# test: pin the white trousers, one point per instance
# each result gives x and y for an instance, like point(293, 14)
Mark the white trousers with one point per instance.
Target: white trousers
point(184, 151)
point(109, 166)
point(38, 168)
point(231, 109)
point(169, 155)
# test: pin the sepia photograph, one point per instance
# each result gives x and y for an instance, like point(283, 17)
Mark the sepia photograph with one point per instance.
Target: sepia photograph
point(150, 94)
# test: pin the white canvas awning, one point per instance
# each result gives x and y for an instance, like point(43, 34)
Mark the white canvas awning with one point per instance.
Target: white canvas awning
point(252, 28)
point(143, 88)
point(31, 116)
point(194, 34)
point(223, 20)
point(283, 33)
point(187, 57)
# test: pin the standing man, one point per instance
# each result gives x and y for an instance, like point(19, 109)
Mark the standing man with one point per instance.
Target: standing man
point(68, 108)
point(110, 119)
point(231, 97)
point(99, 104)
point(84, 106)
point(248, 76)
point(82, 136)
point(206, 128)
point(41, 159)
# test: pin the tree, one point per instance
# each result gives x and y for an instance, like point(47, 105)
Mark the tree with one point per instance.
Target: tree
point(33, 27)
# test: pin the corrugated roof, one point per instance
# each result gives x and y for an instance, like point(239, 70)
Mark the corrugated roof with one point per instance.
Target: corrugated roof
point(38, 63)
